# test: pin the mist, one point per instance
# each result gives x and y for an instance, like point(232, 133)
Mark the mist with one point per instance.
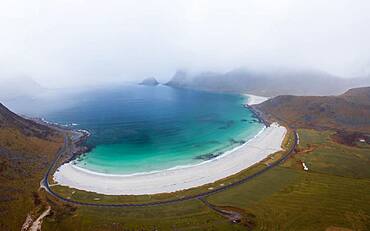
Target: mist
point(83, 43)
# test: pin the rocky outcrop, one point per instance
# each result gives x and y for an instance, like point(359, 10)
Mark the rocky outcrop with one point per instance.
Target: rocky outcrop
point(150, 82)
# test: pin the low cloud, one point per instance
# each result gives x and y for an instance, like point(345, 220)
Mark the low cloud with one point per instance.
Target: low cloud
point(75, 42)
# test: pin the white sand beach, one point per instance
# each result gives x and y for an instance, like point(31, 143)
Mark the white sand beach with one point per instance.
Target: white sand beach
point(268, 141)
point(255, 99)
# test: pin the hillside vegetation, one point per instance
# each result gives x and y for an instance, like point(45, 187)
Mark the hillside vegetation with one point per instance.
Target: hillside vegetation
point(357, 95)
point(349, 111)
point(331, 195)
point(26, 149)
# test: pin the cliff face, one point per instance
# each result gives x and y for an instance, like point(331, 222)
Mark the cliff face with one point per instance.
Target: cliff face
point(349, 111)
point(267, 83)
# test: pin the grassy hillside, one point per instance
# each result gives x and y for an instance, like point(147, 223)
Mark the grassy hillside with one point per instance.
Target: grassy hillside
point(334, 192)
point(26, 149)
point(332, 195)
point(357, 95)
point(350, 111)
point(27, 127)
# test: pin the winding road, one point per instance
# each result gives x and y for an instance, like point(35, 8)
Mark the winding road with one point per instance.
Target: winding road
point(45, 184)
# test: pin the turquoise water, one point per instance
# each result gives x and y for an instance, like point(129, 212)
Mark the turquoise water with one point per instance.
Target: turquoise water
point(141, 128)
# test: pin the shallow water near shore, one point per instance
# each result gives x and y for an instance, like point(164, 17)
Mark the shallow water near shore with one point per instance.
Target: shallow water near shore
point(136, 129)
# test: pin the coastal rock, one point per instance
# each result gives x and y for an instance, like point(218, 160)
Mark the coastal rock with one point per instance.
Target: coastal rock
point(151, 81)
point(208, 156)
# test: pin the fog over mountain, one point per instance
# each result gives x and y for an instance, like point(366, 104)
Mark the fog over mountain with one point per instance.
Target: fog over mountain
point(88, 43)
point(268, 82)
point(12, 88)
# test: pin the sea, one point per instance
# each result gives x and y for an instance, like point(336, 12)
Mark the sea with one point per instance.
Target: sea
point(138, 129)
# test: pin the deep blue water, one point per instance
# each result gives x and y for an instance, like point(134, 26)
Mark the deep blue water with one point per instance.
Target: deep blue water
point(141, 128)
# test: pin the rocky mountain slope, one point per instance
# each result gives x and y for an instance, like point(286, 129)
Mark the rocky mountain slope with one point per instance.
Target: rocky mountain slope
point(349, 111)
point(268, 83)
point(10, 120)
point(26, 149)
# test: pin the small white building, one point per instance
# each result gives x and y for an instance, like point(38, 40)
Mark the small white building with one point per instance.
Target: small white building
point(304, 166)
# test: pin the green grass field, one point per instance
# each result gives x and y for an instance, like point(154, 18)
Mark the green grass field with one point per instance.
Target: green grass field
point(84, 196)
point(20, 173)
point(333, 195)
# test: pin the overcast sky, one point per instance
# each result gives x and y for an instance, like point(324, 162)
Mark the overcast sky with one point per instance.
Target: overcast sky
point(76, 42)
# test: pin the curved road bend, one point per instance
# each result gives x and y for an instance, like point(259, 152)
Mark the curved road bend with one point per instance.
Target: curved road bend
point(45, 183)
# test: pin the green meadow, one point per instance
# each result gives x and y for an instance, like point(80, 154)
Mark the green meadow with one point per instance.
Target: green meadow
point(332, 195)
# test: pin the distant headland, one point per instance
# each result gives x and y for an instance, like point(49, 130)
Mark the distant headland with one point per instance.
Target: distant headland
point(151, 81)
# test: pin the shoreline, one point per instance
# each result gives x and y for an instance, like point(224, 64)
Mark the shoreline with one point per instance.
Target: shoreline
point(255, 99)
point(172, 176)
point(80, 135)
point(168, 169)
point(256, 149)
